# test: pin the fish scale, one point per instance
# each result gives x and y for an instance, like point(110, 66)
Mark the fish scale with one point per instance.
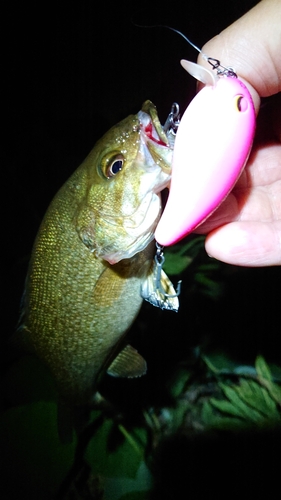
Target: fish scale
point(87, 269)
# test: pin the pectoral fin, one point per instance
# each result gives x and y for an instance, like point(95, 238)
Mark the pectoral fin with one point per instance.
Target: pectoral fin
point(128, 363)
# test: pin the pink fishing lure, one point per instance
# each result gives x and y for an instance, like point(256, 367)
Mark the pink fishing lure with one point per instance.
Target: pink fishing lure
point(212, 144)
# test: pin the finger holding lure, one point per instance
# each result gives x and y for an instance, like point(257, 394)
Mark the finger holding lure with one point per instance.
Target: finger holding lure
point(213, 141)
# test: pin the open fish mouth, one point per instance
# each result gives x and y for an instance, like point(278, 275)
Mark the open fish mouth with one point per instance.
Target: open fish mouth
point(160, 146)
point(154, 161)
point(132, 226)
point(154, 129)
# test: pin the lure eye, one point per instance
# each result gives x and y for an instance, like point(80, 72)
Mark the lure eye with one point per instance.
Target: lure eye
point(241, 103)
point(115, 165)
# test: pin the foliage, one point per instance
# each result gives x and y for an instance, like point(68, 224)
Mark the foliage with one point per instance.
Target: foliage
point(31, 445)
point(204, 390)
point(254, 400)
point(187, 256)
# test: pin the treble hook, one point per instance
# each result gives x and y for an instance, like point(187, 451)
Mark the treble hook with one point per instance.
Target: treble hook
point(173, 120)
point(153, 290)
point(159, 261)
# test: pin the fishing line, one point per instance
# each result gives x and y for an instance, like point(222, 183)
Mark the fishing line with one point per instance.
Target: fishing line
point(215, 63)
point(172, 29)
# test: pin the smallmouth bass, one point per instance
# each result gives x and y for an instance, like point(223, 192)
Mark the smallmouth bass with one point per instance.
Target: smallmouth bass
point(92, 255)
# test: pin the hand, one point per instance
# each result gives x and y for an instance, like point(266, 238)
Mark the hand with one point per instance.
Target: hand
point(246, 229)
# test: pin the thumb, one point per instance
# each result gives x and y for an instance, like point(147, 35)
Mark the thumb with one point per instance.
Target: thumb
point(251, 45)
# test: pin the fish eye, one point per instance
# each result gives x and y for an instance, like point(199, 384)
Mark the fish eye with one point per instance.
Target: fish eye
point(241, 103)
point(114, 165)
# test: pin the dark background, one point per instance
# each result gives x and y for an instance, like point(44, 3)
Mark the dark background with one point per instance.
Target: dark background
point(71, 71)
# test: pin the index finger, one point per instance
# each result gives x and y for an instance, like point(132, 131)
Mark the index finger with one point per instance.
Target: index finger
point(252, 46)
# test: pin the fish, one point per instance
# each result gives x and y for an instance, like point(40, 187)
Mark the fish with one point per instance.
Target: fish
point(213, 142)
point(93, 256)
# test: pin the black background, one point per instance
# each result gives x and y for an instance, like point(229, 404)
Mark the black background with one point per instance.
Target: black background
point(70, 71)
point(74, 69)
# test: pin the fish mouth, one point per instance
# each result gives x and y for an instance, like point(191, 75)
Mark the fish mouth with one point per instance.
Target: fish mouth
point(133, 227)
point(154, 129)
point(157, 142)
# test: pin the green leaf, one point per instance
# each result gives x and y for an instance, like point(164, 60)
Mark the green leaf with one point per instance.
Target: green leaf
point(176, 264)
point(276, 372)
point(262, 368)
point(242, 408)
point(36, 460)
point(115, 453)
point(265, 379)
point(179, 382)
point(179, 257)
point(273, 389)
point(219, 363)
point(258, 398)
point(253, 401)
point(225, 406)
point(210, 286)
point(213, 421)
point(124, 488)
